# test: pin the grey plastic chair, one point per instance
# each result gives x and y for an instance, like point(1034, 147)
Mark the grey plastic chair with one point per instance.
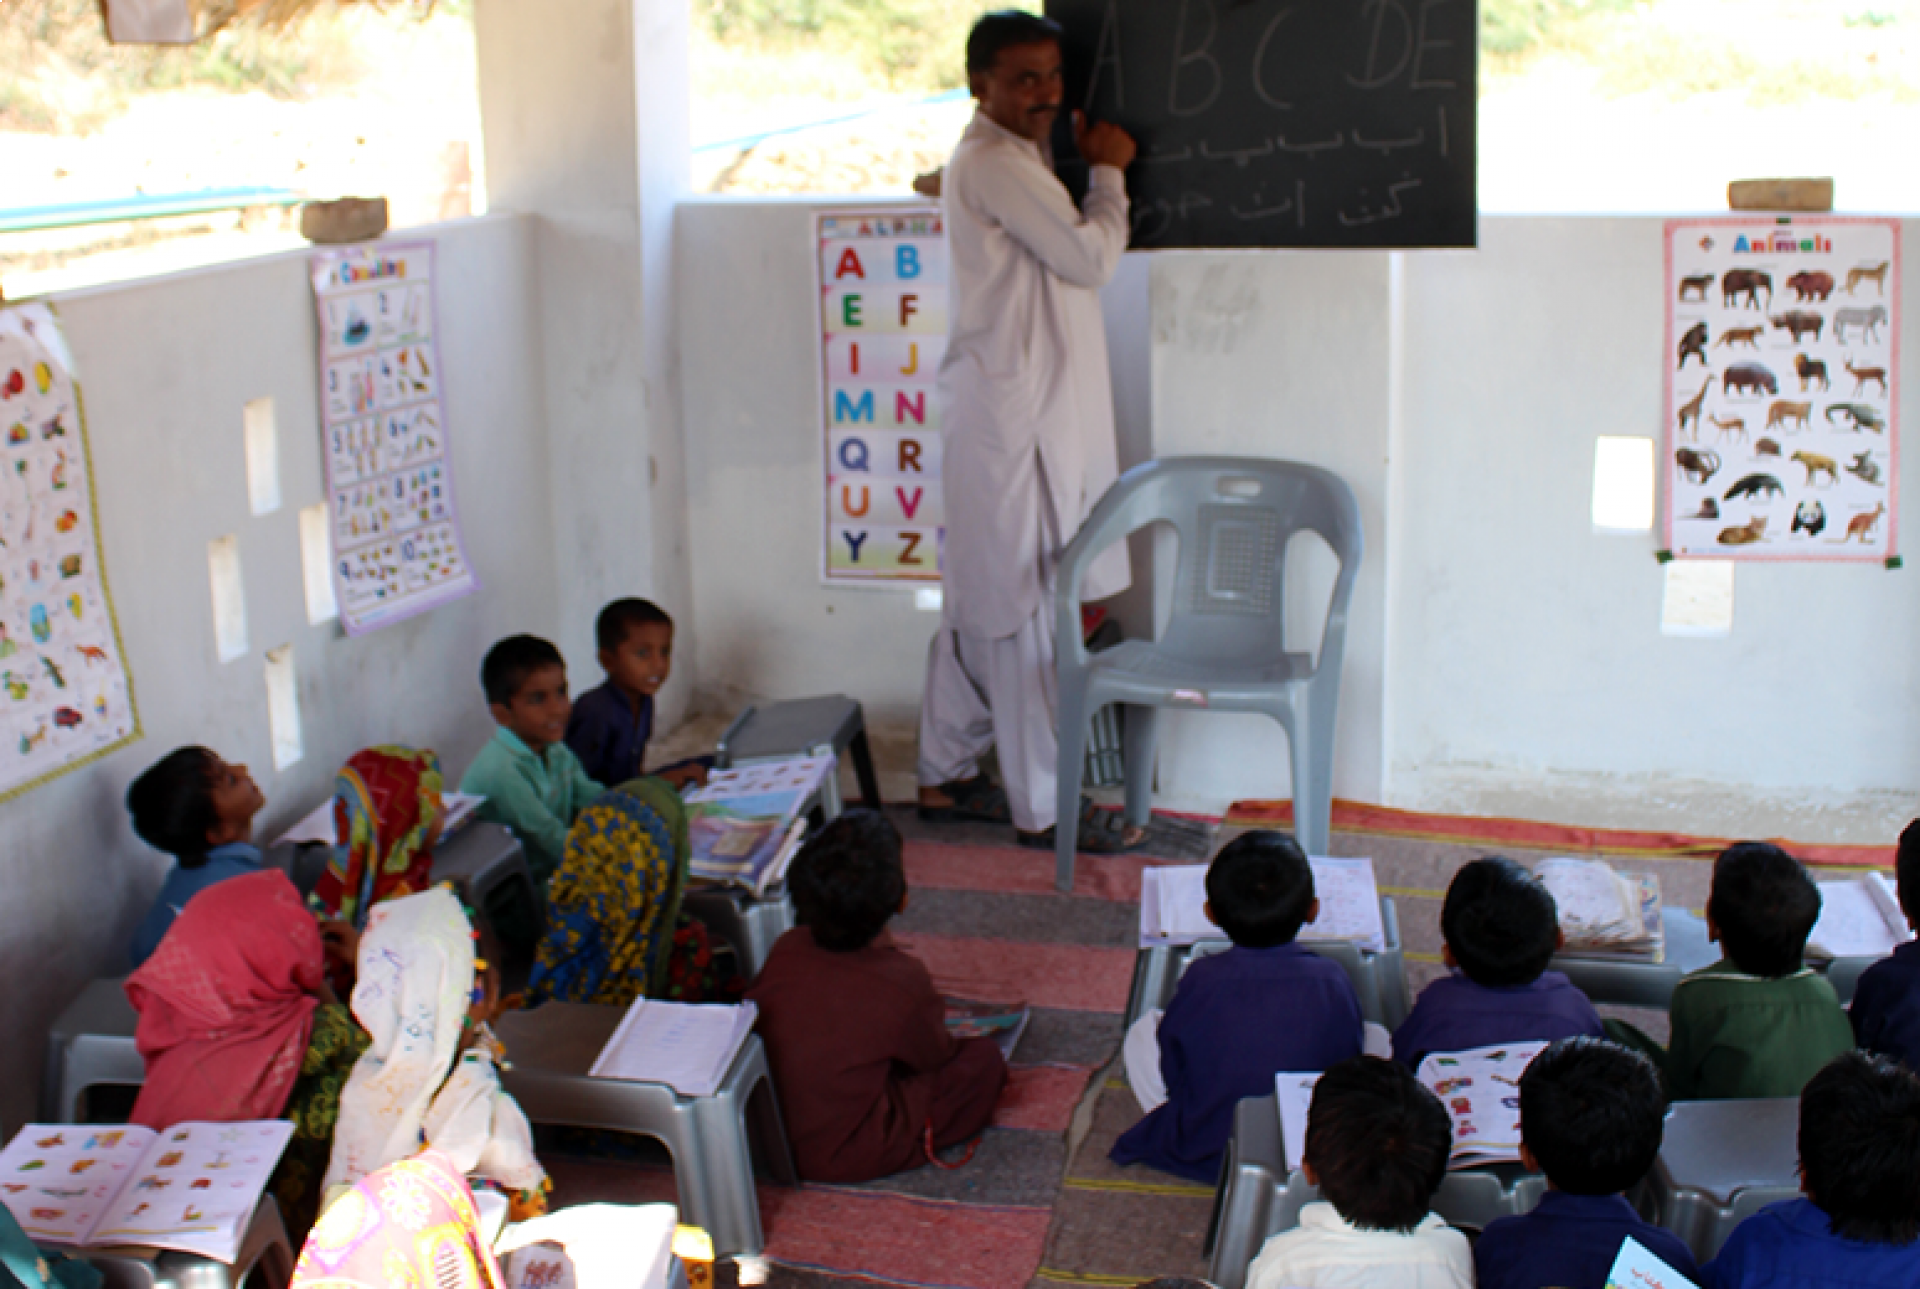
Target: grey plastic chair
point(1224, 648)
point(1721, 1162)
point(90, 1046)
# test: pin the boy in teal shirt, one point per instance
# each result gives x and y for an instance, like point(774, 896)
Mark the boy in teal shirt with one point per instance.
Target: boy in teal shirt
point(531, 781)
point(1758, 1023)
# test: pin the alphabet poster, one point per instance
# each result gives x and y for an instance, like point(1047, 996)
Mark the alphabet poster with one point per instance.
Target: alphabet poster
point(883, 331)
point(397, 549)
point(65, 695)
point(1782, 388)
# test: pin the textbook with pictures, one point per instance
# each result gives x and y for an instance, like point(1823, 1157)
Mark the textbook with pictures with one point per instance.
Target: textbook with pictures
point(1173, 900)
point(1480, 1089)
point(1860, 918)
point(1603, 913)
point(687, 1046)
point(193, 1187)
point(744, 824)
point(1004, 1023)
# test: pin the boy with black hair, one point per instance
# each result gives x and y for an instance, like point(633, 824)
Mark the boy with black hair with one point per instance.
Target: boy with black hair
point(1239, 1017)
point(611, 722)
point(531, 781)
point(1501, 929)
point(199, 809)
point(1591, 1118)
point(1758, 1023)
point(1377, 1146)
point(870, 1080)
point(1858, 1224)
point(1886, 1002)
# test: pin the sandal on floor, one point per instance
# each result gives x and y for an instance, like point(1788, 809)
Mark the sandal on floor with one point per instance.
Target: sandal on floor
point(978, 798)
point(1101, 832)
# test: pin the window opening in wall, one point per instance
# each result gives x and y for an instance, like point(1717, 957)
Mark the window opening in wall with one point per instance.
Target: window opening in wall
point(1698, 598)
point(316, 563)
point(1622, 485)
point(229, 598)
point(283, 707)
point(263, 456)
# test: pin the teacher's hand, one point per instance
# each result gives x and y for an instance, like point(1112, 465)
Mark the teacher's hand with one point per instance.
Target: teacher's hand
point(1102, 143)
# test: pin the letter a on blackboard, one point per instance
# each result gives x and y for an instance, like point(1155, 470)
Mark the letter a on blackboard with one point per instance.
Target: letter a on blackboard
point(1107, 54)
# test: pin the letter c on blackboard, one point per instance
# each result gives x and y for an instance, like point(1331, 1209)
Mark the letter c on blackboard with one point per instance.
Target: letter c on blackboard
point(1260, 62)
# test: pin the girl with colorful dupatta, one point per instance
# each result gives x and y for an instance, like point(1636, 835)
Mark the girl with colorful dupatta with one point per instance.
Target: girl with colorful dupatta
point(387, 814)
point(410, 1225)
point(429, 1075)
point(616, 931)
point(237, 1022)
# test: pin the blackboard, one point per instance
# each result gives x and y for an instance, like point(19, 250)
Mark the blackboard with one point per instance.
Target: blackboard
point(1282, 122)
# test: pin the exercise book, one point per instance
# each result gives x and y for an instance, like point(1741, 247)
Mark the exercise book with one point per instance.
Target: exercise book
point(687, 1046)
point(1860, 918)
point(193, 1187)
point(1293, 1093)
point(1173, 905)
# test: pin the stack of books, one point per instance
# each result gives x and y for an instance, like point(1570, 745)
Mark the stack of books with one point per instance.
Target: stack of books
point(1606, 914)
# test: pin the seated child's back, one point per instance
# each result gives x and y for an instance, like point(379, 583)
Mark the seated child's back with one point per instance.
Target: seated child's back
point(1858, 1224)
point(1758, 1023)
point(1886, 1002)
point(200, 810)
point(856, 1034)
point(1240, 1017)
point(1591, 1118)
point(1501, 930)
point(1377, 1146)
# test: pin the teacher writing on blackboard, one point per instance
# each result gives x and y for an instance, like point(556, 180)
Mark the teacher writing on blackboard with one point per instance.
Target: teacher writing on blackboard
point(1028, 432)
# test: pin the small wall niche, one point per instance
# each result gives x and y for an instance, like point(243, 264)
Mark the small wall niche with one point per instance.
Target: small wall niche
point(1622, 485)
point(229, 597)
point(263, 456)
point(316, 564)
point(283, 707)
point(1698, 598)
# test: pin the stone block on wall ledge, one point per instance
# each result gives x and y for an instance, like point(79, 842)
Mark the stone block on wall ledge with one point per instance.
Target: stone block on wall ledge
point(349, 219)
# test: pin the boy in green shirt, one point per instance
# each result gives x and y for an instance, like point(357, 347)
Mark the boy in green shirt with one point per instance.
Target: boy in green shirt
point(1758, 1023)
point(531, 781)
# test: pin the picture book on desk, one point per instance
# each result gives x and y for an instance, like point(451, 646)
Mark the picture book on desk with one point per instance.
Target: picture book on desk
point(745, 824)
point(193, 1187)
point(1859, 918)
point(1480, 1089)
point(1173, 899)
point(1606, 914)
point(1636, 1267)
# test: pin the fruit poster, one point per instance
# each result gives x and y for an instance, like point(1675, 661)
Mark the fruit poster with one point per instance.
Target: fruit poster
point(65, 695)
point(397, 548)
point(1782, 388)
point(883, 331)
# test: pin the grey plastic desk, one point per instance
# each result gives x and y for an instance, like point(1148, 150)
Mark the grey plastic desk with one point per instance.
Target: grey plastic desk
point(1379, 979)
point(805, 727)
point(1259, 1198)
point(265, 1259)
point(750, 925)
point(1721, 1162)
point(1651, 984)
point(483, 858)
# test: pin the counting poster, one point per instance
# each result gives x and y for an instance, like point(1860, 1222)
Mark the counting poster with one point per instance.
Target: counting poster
point(1782, 391)
point(65, 696)
point(883, 330)
point(397, 549)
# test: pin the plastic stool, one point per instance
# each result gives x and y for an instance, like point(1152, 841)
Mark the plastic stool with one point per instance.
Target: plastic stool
point(749, 924)
point(1719, 1163)
point(264, 1249)
point(551, 1048)
point(90, 1045)
point(804, 727)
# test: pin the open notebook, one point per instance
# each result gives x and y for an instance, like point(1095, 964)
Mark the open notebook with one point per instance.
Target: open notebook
point(1604, 913)
point(317, 826)
point(193, 1187)
point(1173, 897)
point(1480, 1089)
point(1859, 918)
point(687, 1046)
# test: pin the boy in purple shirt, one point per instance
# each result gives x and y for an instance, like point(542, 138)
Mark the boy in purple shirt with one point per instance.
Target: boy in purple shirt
point(1501, 930)
point(1857, 1226)
point(1591, 1118)
point(1239, 1017)
point(611, 723)
point(1886, 1002)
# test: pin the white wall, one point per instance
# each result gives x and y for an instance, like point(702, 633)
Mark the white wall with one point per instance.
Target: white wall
point(166, 366)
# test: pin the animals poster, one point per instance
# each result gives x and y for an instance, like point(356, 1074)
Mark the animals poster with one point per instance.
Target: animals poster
point(1782, 361)
point(883, 331)
point(65, 695)
point(397, 549)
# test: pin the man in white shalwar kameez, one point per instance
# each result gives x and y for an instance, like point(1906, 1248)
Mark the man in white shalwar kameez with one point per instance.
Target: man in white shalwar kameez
point(1027, 425)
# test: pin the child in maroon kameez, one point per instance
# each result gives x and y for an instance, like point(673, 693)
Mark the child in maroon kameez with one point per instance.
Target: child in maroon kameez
point(855, 1031)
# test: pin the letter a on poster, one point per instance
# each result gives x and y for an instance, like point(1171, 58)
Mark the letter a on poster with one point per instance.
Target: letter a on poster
point(883, 331)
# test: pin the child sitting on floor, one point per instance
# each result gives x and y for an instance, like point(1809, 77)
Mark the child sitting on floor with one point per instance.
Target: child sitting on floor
point(611, 722)
point(200, 810)
point(1591, 1118)
point(1501, 929)
point(870, 1081)
point(531, 781)
point(1886, 1002)
point(1758, 1023)
point(1239, 1017)
point(1377, 1146)
point(1858, 1225)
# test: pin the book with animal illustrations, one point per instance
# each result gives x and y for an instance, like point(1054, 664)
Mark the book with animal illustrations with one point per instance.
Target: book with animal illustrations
point(193, 1187)
point(1481, 1092)
point(1859, 918)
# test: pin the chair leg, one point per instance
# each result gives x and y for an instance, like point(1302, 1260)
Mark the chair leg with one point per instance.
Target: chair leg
point(1141, 734)
point(1073, 759)
point(720, 1124)
point(863, 769)
point(1311, 751)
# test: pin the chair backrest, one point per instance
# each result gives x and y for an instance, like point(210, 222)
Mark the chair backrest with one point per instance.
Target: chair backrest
point(1235, 517)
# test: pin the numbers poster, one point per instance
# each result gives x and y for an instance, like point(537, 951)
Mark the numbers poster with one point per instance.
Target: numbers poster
point(397, 549)
point(883, 331)
point(1782, 388)
point(65, 695)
